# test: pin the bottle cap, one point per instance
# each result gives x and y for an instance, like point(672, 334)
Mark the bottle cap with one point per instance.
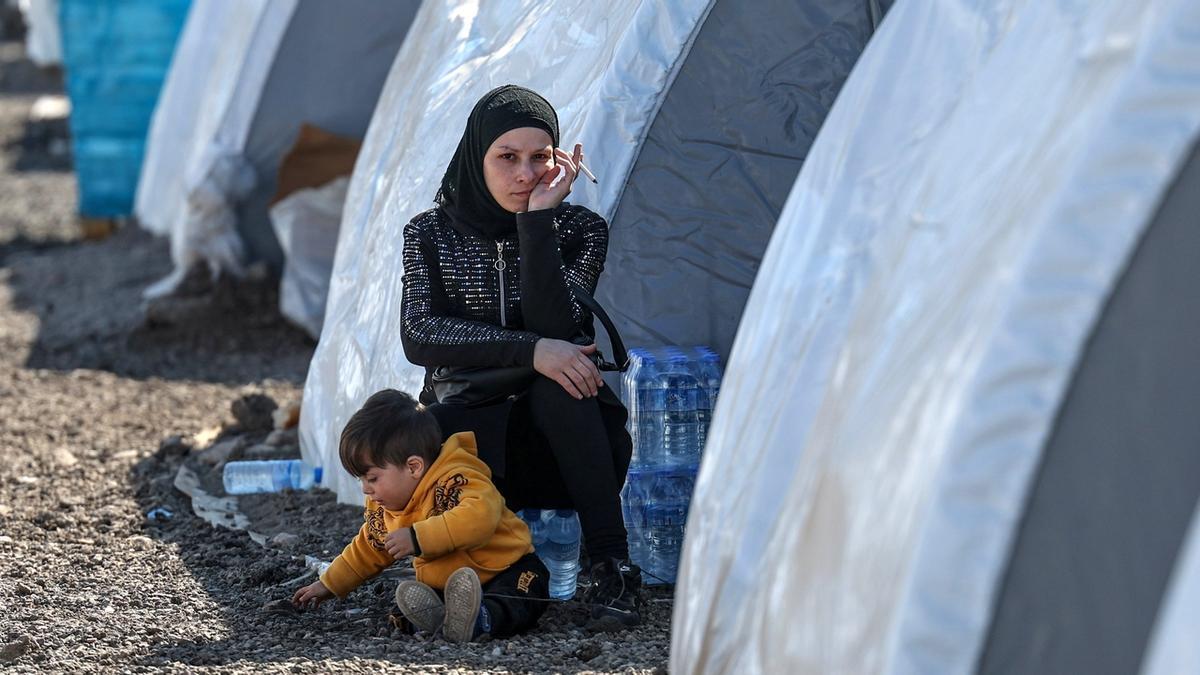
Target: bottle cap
point(317, 473)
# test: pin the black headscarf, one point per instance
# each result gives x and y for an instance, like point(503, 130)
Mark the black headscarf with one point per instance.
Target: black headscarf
point(464, 195)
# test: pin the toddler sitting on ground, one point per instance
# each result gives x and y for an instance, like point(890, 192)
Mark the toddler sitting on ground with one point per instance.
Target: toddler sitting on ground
point(475, 567)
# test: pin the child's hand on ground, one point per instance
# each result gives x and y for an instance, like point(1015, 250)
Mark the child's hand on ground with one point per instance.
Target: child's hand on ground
point(311, 596)
point(399, 543)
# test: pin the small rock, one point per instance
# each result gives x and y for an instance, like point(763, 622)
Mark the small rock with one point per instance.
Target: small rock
point(220, 452)
point(64, 457)
point(282, 437)
point(174, 445)
point(285, 540)
point(140, 542)
point(15, 649)
point(262, 451)
point(24, 589)
point(280, 606)
point(26, 480)
point(5, 539)
point(496, 651)
point(587, 651)
point(253, 412)
point(5, 510)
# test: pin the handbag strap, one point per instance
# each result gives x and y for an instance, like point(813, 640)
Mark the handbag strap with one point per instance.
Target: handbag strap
point(618, 345)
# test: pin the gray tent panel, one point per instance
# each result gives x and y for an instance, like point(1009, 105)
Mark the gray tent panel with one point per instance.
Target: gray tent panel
point(329, 71)
point(718, 163)
point(1120, 475)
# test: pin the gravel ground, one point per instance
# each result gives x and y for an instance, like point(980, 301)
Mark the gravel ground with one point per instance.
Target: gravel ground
point(103, 399)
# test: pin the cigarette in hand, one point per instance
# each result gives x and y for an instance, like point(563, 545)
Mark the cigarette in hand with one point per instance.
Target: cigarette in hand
point(587, 172)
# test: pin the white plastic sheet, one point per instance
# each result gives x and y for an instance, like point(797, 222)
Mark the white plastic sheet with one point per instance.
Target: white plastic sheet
point(193, 171)
point(948, 244)
point(604, 66)
point(43, 38)
point(306, 223)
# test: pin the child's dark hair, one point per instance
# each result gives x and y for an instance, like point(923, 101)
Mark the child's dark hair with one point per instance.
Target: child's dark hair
point(389, 428)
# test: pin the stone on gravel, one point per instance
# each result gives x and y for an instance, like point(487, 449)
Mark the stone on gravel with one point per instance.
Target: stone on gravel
point(65, 457)
point(24, 589)
point(5, 539)
point(253, 412)
point(283, 437)
point(141, 542)
point(587, 651)
point(16, 649)
point(285, 540)
point(220, 452)
point(280, 606)
point(264, 451)
point(174, 445)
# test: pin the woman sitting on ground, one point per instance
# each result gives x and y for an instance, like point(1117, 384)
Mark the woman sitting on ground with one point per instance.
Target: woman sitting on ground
point(486, 277)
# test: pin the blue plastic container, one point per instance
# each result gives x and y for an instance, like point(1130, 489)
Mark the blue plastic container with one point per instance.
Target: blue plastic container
point(116, 54)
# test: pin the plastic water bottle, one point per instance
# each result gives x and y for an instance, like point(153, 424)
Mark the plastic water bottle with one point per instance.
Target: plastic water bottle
point(634, 497)
point(680, 426)
point(535, 519)
point(666, 515)
point(707, 369)
point(243, 478)
point(650, 404)
point(561, 555)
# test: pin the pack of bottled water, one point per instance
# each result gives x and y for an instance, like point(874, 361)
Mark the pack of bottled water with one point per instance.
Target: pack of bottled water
point(670, 393)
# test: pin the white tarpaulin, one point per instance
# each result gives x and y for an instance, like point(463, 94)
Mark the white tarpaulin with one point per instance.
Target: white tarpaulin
point(43, 39)
point(952, 237)
point(604, 66)
point(306, 223)
point(193, 170)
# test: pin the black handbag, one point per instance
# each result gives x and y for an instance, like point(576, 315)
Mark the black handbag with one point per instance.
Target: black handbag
point(475, 386)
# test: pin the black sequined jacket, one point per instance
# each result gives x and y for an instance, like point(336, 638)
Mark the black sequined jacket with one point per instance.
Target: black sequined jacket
point(470, 301)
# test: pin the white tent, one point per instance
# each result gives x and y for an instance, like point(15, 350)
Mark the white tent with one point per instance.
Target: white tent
point(957, 427)
point(246, 75)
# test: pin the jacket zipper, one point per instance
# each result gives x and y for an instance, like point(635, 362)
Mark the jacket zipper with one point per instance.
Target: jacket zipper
point(500, 265)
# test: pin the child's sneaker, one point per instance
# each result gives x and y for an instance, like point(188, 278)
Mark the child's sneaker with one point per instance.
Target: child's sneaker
point(421, 605)
point(614, 595)
point(465, 618)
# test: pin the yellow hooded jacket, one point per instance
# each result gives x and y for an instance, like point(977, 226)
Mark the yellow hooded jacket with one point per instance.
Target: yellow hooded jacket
point(460, 520)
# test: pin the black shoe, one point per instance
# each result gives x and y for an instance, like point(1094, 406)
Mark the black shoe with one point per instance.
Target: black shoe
point(615, 595)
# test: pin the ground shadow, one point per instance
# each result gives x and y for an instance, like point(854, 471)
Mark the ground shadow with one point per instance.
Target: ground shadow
point(87, 297)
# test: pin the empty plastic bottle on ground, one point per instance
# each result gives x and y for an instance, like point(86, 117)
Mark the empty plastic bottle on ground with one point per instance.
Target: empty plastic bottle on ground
point(561, 553)
point(249, 477)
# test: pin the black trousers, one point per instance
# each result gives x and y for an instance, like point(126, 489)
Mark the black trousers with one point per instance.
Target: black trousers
point(559, 453)
point(516, 598)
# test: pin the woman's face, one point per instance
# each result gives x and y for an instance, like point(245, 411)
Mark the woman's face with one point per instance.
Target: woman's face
point(514, 163)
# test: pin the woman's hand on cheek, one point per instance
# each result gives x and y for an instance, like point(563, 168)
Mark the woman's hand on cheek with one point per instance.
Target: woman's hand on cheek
point(555, 184)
